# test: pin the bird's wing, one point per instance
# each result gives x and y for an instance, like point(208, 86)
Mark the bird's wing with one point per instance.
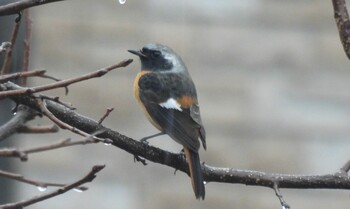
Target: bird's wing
point(171, 102)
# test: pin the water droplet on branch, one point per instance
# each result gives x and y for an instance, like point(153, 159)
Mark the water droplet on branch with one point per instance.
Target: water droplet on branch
point(77, 190)
point(42, 188)
point(107, 142)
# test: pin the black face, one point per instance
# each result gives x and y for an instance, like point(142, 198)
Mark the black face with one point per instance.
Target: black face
point(153, 59)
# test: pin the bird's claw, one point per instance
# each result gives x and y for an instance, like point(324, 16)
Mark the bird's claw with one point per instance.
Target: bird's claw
point(139, 159)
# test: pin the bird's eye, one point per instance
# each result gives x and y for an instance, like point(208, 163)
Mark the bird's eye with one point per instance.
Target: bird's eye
point(156, 53)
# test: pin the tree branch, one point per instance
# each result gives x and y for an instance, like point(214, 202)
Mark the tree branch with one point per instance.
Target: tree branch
point(40, 184)
point(154, 154)
point(23, 154)
point(341, 17)
point(26, 43)
point(16, 7)
point(38, 129)
point(64, 83)
point(109, 110)
point(88, 178)
point(22, 115)
point(8, 77)
point(346, 167)
point(8, 57)
point(41, 103)
point(280, 197)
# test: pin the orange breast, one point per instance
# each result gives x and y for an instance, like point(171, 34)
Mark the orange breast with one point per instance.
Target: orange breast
point(137, 96)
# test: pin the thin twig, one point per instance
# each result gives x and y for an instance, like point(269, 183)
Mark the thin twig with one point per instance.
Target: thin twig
point(38, 129)
point(8, 152)
point(8, 57)
point(65, 83)
point(341, 17)
point(57, 99)
point(41, 184)
point(8, 77)
point(50, 77)
point(55, 79)
point(22, 115)
point(14, 8)
point(88, 178)
point(109, 110)
point(42, 105)
point(346, 167)
point(23, 154)
point(26, 42)
point(280, 197)
point(61, 144)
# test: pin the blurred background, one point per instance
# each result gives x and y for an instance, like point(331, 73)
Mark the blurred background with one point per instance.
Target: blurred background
point(273, 84)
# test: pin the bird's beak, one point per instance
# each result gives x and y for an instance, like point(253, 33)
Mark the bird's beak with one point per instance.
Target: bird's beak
point(138, 53)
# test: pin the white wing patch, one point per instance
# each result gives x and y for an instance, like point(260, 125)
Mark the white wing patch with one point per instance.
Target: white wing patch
point(171, 104)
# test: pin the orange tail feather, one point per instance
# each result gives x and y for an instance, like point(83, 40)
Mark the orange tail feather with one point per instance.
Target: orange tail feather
point(196, 173)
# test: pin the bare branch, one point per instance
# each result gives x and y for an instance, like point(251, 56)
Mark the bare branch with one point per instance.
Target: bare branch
point(56, 99)
point(342, 19)
point(8, 57)
point(41, 184)
point(55, 79)
point(38, 129)
point(26, 42)
point(18, 6)
point(154, 154)
point(280, 197)
point(23, 154)
point(61, 144)
point(23, 115)
point(8, 77)
point(53, 118)
point(88, 178)
point(13, 153)
point(346, 167)
point(109, 110)
point(65, 83)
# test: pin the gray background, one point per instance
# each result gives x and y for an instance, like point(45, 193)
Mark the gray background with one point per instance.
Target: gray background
point(273, 85)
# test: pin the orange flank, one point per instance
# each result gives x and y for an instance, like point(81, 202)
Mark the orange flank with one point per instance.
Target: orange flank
point(137, 96)
point(186, 101)
point(136, 83)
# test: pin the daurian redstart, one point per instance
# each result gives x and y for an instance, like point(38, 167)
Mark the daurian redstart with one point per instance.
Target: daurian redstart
point(168, 96)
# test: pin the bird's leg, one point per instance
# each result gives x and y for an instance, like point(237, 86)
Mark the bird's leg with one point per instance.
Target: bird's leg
point(145, 139)
point(182, 155)
point(139, 159)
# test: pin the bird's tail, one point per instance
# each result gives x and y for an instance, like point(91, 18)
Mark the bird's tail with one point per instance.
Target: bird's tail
point(195, 172)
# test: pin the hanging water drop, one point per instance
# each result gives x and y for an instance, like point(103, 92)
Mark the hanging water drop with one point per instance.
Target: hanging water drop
point(122, 1)
point(78, 190)
point(107, 143)
point(204, 182)
point(42, 188)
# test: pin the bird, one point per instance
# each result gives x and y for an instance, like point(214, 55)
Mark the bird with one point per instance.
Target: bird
point(167, 95)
